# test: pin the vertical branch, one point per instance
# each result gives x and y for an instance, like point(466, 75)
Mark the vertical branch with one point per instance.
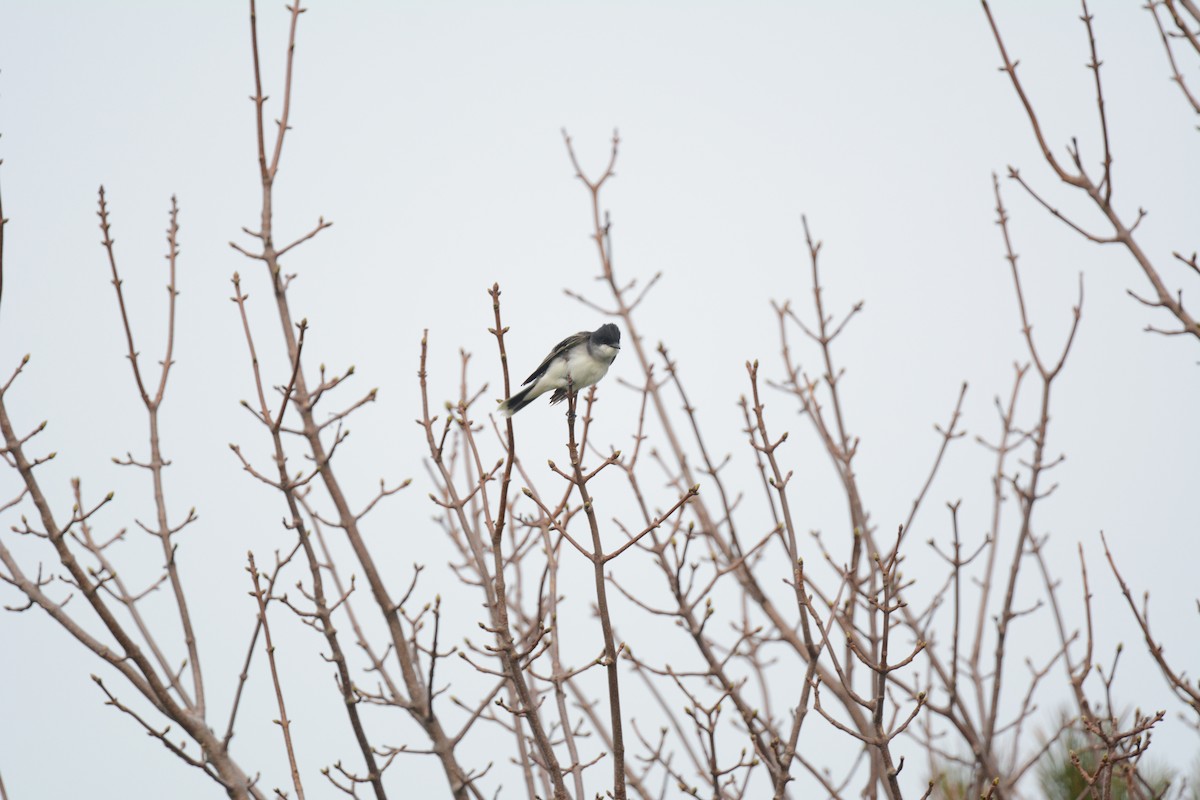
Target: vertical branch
point(1030, 493)
point(172, 294)
point(556, 667)
point(1094, 66)
point(601, 236)
point(1003, 447)
point(838, 443)
point(244, 675)
point(287, 84)
point(503, 630)
point(288, 486)
point(164, 531)
point(610, 647)
point(283, 722)
point(765, 451)
point(304, 399)
point(883, 670)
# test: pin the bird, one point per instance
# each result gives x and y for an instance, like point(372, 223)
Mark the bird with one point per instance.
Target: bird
point(579, 360)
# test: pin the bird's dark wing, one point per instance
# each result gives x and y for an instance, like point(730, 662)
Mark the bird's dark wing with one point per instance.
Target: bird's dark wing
point(559, 350)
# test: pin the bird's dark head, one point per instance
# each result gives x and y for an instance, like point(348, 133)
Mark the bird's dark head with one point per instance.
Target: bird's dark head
point(607, 334)
point(605, 342)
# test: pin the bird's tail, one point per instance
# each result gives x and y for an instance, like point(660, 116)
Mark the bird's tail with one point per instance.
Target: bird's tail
point(518, 401)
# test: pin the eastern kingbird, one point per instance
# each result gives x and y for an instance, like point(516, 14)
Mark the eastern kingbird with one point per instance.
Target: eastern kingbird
point(578, 361)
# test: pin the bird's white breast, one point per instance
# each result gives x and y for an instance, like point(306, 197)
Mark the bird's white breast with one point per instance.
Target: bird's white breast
point(586, 369)
point(578, 369)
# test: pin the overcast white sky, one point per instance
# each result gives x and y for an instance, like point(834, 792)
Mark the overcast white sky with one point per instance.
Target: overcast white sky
point(429, 133)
